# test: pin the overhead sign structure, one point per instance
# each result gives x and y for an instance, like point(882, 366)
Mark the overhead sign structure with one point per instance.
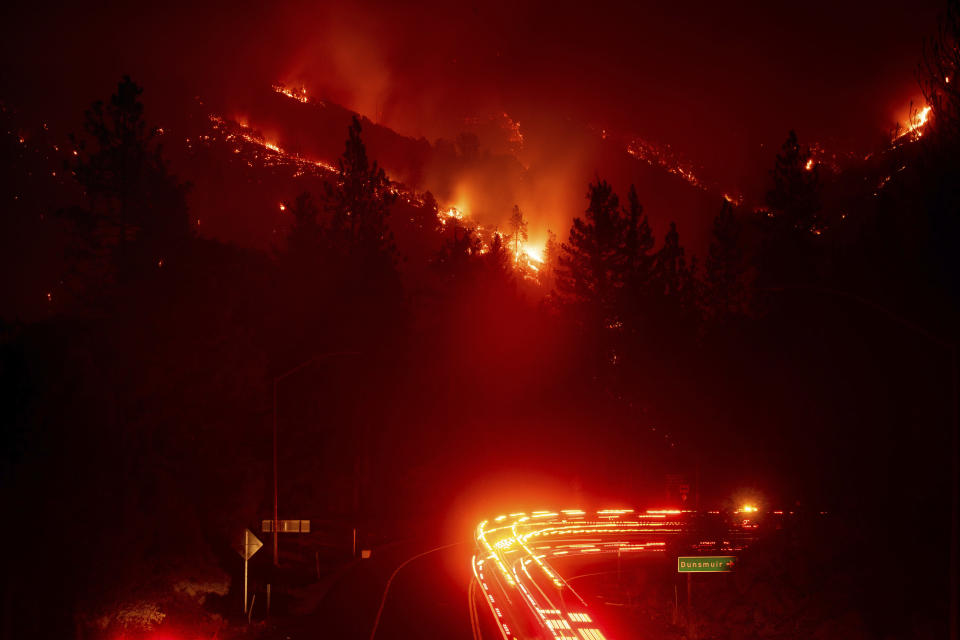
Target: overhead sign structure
point(287, 526)
point(249, 546)
point(705, 564)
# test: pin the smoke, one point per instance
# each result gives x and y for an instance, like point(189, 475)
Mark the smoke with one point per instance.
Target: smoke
point(721, 84)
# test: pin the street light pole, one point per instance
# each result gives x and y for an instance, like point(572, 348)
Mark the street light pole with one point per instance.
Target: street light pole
point(276, 484)
point(276, 492)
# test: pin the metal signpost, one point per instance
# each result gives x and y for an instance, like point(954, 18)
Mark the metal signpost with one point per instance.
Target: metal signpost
point(250, 545)
point(700, 564)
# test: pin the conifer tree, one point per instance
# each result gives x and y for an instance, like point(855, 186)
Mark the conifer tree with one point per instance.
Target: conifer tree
point(358, 202)
point(725, 266)
point(136, 215)
point(939, 79)
point(676, 294)
point(518, 232)
point(304, 239)
point(551, 256)
point(592, 265)
point(792, 217)
point(639, 248)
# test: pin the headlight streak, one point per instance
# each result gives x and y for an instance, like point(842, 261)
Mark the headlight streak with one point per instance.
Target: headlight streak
point(522, 539)
point(509, 546)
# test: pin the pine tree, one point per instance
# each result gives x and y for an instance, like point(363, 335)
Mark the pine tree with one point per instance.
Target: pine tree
point(794, 199)
point(792, 218)
point(136, 216)
point(725, 266)
point(427, 215)
point(639, 247)
point(458, 258)
point(551, 257)
point(358, 202)
point(304, 239)
point(497, 263)
point(518, 232)
point(939, 69)
point(591, 269)
point(675, 291)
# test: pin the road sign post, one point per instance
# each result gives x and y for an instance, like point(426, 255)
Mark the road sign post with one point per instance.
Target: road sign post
point(700, 564)
point(249, 546)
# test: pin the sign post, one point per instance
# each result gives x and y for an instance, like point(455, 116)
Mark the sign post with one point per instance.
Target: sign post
point(249, 546)
point(700, 564)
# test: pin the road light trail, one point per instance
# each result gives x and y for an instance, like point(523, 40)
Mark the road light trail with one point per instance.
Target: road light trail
point(521, 550)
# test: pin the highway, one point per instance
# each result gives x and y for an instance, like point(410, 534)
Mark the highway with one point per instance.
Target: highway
point(523, 561)
point(513, 581)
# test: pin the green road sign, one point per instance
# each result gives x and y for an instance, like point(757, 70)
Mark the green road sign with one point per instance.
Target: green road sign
point(705, 564)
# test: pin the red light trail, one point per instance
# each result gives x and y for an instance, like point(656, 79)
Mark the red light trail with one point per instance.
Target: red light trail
point(514, 565)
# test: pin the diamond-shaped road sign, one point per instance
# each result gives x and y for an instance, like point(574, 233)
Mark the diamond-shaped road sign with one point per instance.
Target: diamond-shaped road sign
point(250, 545)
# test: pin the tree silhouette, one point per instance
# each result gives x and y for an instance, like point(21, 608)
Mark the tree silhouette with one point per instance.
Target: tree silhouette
point(518, 232)
point(725, 266)
point(673, 274)
point(551, 257)
point(792, 219)
point(795, 196)
point(457, 258)
point(640, 260)
point(497, 265)
point(137, 213)
point(427, 218)
point(304, 238)
point(358, 202)
point(938, 74)
point(591, 269)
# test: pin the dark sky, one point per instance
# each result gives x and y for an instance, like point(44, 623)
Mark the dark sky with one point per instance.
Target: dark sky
point(713, 79)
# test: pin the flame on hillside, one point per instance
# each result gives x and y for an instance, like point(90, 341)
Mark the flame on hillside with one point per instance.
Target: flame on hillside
point(918, 120)
point(242, 138)
point(299, 94)
point(663, 156)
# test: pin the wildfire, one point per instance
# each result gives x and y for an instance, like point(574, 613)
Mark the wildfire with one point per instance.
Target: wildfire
point(735, 200)
point(918, 121)
point(299, 95)
point(452, 212)
point(664, 158)
point(534, 254)
point(236, 132)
